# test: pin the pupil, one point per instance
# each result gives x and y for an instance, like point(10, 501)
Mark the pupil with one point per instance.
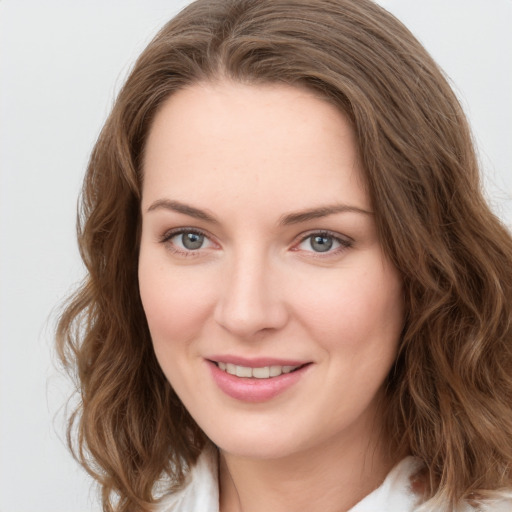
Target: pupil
point(321, 243)
point(192, 240)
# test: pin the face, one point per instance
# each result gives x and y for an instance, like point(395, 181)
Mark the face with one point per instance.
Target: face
point(273, 311)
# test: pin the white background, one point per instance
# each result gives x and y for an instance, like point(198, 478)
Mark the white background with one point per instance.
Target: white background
point(61, 63)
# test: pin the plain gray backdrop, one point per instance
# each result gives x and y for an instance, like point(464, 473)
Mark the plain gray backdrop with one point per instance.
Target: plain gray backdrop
point(61, 64)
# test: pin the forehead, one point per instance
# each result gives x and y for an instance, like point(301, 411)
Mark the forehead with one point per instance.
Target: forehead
point(229, 141)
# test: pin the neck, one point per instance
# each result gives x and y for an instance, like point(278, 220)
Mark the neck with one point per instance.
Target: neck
point(332, 478)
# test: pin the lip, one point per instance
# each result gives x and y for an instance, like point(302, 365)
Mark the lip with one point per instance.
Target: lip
point(255, 362)
point(251, 389)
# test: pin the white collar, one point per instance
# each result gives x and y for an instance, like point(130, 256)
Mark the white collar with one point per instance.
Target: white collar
point(201, 490)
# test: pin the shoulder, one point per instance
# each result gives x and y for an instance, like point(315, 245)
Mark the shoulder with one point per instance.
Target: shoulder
point(397, 494)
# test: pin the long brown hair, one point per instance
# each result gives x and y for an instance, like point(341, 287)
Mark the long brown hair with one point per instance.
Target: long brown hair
point(450, 391)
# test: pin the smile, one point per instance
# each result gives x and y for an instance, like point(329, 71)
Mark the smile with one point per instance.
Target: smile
point(264, 372)
point(256, 380)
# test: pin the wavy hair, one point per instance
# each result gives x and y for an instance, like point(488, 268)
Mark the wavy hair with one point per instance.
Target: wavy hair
point(449, 394)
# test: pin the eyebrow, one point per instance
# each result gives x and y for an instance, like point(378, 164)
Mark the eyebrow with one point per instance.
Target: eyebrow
point(285, 220)
point(317, 213)
point(179, 207)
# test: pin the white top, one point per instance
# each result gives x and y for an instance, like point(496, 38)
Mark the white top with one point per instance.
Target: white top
point(201, 491)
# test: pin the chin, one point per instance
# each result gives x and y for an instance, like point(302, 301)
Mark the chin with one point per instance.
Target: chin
point(263, 449)
point(265, 441)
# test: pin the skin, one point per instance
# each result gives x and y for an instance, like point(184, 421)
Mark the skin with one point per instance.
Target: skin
point(250, 158)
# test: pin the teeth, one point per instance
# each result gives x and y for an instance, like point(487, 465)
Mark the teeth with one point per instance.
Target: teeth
point(264, 372)
point(243, 371)
point(261, 373)
point(275, 371)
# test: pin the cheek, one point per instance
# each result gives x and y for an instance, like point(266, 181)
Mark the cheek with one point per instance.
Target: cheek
point(357, 308)
point(176, 303)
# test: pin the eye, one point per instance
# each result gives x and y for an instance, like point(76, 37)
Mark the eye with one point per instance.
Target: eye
point(186, 241)
point(323, 243)
point(189, 240)
point(320, 243)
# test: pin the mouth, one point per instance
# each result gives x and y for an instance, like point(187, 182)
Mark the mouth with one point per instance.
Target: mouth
point(256, 379)
point(261, 372)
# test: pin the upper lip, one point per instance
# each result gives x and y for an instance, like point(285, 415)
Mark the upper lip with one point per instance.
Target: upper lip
point(256, 362)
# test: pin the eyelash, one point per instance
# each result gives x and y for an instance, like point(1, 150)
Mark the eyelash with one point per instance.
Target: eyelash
point(344, 243)
point(166, 238)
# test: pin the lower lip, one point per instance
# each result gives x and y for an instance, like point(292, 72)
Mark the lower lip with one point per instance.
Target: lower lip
point(252, 389)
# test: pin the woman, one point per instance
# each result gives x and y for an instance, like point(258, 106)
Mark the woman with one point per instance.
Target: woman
point(297, 298)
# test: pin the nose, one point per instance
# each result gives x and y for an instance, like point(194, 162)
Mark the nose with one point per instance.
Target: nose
point(250, 300)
